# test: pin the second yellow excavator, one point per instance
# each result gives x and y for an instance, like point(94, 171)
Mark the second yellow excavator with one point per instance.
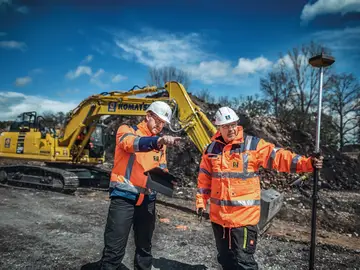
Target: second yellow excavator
point(70, 155)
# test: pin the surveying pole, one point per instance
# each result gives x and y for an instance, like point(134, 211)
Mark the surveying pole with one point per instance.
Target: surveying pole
point(319, 61)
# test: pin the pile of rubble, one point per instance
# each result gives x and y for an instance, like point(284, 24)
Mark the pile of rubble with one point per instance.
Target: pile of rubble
point(340, 171)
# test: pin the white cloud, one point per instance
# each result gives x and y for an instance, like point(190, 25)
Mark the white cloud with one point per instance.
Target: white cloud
point(67, 91)
point(118, 78)
point(321, 7)
point(288, 62)
point(98, 50)
point(80, 70)
point(87, 59)
point(250, 66)
point(99, 73)
point(96, 79)
point(100, 78)
point(2, 34)
point(11, 44)
point(103, 79)
point(159, 49)
point(339, 39)
point(37, 71)
point(210, 71)
point(13, 103)
point(23, 81)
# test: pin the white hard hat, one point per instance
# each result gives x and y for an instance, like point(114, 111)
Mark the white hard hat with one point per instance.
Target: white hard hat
point(225, 115)
point(161, 109)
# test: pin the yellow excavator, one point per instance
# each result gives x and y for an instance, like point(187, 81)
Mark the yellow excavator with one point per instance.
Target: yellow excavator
point(71, 155)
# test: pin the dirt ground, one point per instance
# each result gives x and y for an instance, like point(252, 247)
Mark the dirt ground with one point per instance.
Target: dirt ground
point(48, 230)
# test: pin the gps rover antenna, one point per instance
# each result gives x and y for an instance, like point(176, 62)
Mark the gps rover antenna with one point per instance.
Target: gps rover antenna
point(318, 61)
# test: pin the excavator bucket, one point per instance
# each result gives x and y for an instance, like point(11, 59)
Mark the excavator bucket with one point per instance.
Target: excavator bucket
point(271, 203)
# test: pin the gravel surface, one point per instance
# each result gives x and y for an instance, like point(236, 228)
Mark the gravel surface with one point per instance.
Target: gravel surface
point(48, 230)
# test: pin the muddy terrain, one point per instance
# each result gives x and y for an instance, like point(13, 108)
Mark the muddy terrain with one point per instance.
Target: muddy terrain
point(48, 230)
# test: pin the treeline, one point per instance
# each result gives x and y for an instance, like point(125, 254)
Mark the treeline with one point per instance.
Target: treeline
point(289, 92)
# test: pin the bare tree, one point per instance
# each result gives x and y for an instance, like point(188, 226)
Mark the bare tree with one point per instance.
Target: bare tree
point(344, 103)
point(159, 76)
point(254, 106)
point(206, 96)
point(277, 88)
point(292, 86)
point(225, 101)
point(305, 80)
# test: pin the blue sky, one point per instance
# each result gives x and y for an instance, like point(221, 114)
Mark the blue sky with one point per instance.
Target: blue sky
point(56, 53)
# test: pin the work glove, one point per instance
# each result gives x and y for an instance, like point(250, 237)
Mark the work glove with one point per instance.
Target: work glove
point(317, 160)
point(168, 140)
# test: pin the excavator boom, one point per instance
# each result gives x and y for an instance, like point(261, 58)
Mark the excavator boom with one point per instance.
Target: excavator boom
point(71, 154)
point(79, 146)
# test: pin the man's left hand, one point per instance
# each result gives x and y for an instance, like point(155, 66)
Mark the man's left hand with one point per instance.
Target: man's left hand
point(317, 162)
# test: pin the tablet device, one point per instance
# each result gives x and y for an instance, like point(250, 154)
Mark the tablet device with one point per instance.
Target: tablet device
point(160, 181)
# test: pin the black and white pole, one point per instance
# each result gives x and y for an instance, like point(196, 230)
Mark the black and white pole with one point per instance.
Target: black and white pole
point(320, 61)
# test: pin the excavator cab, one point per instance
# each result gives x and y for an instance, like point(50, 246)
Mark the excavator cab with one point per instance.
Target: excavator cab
point(30, 121)
point(97, 142)
point(24, 122)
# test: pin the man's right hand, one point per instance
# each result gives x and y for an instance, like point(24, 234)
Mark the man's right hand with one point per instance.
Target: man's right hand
point(168, 140)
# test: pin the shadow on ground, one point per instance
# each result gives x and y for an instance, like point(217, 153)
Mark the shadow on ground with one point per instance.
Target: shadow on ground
point(161, 264)
point(96, 266)
point(166, 264)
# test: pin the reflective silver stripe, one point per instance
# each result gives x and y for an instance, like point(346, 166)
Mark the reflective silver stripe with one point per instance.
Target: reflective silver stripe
point(136, 144)
point(163, 166)
point(235, 202)
point(233, 175)
point(129, 166)
point(248, 142)
point(245, 163)
point(127, 186)
point(294, 163)
point(272, 157)
point(204, 191)
point(254, 143)
point(211, 147)
point(203, 170)
point(125, 135)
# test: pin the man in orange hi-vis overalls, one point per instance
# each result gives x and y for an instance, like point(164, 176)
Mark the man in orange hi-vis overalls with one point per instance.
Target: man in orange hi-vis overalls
point(138, 149)
point(228, 179)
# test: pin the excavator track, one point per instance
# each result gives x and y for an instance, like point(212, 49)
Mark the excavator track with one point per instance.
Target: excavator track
point(40, 177)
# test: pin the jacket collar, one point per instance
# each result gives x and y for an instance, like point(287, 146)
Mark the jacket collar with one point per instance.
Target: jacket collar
point(238, 139)
point(144, 129)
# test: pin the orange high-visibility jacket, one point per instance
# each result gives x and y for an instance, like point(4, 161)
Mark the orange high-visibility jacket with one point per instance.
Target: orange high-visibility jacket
point(136, 152)
point(228, 177)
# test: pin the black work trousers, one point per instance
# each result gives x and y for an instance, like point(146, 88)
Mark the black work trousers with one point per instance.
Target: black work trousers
point(236, 247)
point(121, 216)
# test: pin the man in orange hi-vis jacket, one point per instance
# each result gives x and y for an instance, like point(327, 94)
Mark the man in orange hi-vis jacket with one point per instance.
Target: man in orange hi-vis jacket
point(228, 179)
point(138, 149)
